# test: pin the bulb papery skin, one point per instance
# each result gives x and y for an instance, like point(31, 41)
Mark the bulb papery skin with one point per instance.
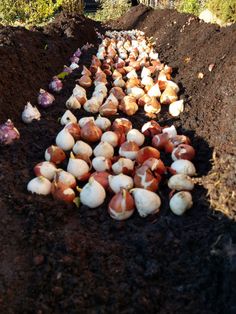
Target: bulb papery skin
point(123, 165)
point(103, 123)
point(65, 140)
point(90, 132)
point(73, 103)
point(183, 166)
point(110, 137)
point(92, 194)
point(121, 206)
point(147, 152)
point(62, 192)
point(181, 182)
point(81, 147)
point(120, 181)
point(30, 113)
point(46, 169)
point(92, 105)
point(104, 149)
point(39, 185)
point(181, 202)
point(101, 163)
point(68, 117)
point(80, 94)
point(78, 168)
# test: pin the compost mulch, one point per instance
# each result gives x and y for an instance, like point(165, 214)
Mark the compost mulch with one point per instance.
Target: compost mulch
point(56, 258)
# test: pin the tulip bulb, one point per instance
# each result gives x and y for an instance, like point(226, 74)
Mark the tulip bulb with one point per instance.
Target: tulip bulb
point(104, 149)
point(146, 202)
point(81, 147)
point(85, 81)
point(123, 165)
point(128, 105)
point(118, 93)
point(73, 103)
point(184, 167)
point(181, 182)
point(30, 113)
point(101, 177)
point(92, 105)
point(83, 121)
point(39, 185)
point(129, 150)
point(122, 124)
point(120, 181)
point(90, 132)
point(171, 131)
point(101, 163)
point(136, 136)
point(183, 151)
point(146, 153)
point(64, 177)
point(46, 169)
point(181, 202)
point(121, 206)
point(80, 94)
point(78, 168)
point(74, 130)
point(151, 128)
point(68, 117)
point(55, 154)
point(176, 108)
point(110, 137)
point(168, 96)
point(144, 179)
point(154, 91)
point(65, 140)
point(92, 194)
point(103, 123)
point(62, 192)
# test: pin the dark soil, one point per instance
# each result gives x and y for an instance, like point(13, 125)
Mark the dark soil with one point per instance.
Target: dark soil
point(56, 258)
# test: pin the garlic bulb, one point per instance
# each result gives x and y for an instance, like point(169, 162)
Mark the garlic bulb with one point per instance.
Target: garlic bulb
point(30, 113)
point(136, 136)
point(92, 194)
point(180, 202)
point(146, 202)
point(82, 148)
point(65, 140)
point(104, 149)
point(68, 117)
point(73, 103)
point(39, 185)
point(120, 181)
point(180, 182)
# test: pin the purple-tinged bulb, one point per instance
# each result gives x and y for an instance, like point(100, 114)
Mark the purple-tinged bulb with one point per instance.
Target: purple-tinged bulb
point(8, 133)
point(45, 99)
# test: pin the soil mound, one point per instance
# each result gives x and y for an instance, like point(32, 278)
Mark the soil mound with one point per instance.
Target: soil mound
point(29, 58)
point(56, 258)
point(191, 46)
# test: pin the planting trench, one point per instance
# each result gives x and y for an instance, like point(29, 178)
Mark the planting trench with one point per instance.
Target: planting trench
point(58, 259)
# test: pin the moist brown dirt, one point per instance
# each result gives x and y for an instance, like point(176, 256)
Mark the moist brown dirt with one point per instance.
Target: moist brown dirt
point(56, 258)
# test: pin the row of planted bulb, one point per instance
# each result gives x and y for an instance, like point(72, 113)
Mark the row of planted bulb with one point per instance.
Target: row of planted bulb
point(113, 158)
